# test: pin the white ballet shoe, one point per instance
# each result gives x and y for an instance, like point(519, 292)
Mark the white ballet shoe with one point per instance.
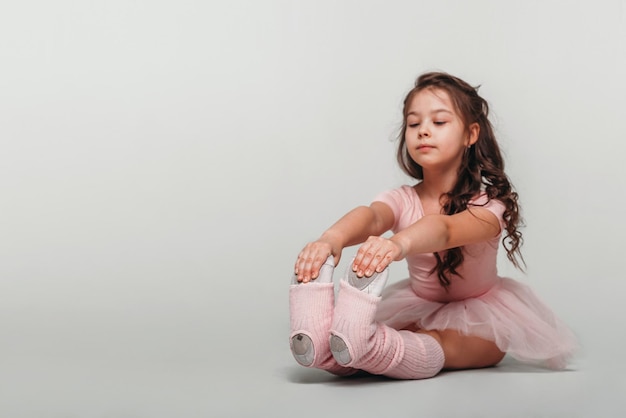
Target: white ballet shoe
point(372, 285)
point(302, 349)
point(339, 350)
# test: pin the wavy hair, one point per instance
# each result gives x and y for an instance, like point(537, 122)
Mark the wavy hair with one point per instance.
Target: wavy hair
point(482, 168)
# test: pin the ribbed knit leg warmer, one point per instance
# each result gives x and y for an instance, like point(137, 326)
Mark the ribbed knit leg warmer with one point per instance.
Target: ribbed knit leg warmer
point(358, 341)
point(311, 311)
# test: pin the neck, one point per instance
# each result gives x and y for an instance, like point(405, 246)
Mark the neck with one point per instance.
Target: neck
point(435, 184)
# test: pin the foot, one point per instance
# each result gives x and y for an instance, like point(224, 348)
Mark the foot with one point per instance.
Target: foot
point(339, 349)
point(302, 349)
point(372, 285)
point(302, 345)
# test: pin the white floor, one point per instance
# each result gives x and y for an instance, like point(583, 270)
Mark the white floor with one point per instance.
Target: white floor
point(55, 364)
point(163, 162)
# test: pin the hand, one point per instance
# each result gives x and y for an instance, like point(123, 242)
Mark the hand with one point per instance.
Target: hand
point(375, 255)
point(312, 257)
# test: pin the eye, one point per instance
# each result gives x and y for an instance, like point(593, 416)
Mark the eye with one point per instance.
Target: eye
point(440, 122)
point(413, 125)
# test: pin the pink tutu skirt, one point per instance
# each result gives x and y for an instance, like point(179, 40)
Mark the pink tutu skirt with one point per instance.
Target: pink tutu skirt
point(510, 314)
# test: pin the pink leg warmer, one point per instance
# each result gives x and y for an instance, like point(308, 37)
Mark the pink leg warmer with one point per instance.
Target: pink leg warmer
point(311, 310)
point(358, 341)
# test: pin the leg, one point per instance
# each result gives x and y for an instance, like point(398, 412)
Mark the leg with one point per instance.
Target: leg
point(358, 341)
point(465, 351)
point(311, 309)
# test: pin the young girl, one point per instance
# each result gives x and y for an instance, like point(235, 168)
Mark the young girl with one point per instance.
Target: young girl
point(453, 311)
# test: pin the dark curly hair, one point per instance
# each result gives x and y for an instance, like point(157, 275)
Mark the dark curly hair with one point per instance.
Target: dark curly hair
point(482, 168)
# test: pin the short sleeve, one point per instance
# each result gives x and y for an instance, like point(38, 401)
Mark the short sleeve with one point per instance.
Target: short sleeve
point(394, 202)
point(494, 206)
point(402, 202)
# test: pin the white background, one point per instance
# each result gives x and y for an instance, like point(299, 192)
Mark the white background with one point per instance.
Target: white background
point(163, 162)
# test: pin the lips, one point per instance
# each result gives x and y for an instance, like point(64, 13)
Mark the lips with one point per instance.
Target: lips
point(424, 147)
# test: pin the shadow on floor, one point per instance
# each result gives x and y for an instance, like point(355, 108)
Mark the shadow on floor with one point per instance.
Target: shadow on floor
point(302, 375)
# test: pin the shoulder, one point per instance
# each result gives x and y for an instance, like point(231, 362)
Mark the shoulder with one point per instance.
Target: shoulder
point(484, 201)
point(404, 204)
point(399, 199)
point(495, 206)
point(404, 193)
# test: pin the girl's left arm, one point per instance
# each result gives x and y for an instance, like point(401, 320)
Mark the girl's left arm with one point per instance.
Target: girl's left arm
point(430, 234)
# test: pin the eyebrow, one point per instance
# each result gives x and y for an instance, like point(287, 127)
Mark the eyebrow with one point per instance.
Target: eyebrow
point(434, 111)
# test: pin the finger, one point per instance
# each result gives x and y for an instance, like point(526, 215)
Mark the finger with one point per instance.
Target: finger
point(357, 258)
point(372, 259)
point(302, 264)
point(357, 263)
point(307, 268)
point(368, 257)
point(362, 251)
point(381, 253)
point(297, 268)
point(372, 267)
point(302, 261)
point(384, 262)
point(364, 254)
point(312, 263)
point(318, 260)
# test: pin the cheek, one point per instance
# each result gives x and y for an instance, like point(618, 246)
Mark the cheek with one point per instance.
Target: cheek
point(409, 135)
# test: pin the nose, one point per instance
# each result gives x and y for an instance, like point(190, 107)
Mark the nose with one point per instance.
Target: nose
point(422, 131)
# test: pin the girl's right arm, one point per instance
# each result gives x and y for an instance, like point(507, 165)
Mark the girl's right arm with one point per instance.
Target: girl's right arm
point(352, 229)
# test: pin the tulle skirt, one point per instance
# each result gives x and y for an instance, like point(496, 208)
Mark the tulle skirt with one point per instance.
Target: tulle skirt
point(510, 314)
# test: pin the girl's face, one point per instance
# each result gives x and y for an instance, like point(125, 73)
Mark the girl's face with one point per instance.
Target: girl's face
point(435, 135)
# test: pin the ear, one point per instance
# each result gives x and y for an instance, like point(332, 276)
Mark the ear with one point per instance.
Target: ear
point(474, 132)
